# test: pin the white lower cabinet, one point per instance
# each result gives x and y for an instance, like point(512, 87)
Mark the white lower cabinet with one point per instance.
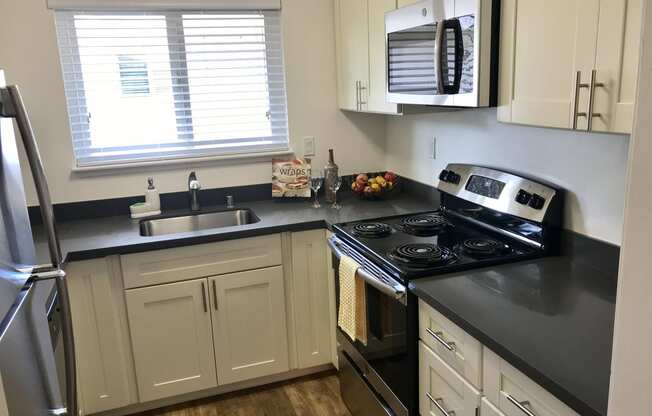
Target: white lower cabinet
point(164, 324)
point(310, 293)
point(441, 390)
point(103, 350)
point(249, 326)
point(514, 394)
point(488, 409)
point(451, 343)
point(172, 339)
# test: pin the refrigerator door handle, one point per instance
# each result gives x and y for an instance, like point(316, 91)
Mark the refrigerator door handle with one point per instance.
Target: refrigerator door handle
point(13, 106)
point(17, 107)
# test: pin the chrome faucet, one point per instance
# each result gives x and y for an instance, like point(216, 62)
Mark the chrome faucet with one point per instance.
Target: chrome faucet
point(193, 191)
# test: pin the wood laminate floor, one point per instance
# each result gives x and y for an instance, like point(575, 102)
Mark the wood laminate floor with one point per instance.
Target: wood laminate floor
point(312, 396)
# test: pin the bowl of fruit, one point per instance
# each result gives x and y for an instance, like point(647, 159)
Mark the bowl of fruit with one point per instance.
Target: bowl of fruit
point(374, 185)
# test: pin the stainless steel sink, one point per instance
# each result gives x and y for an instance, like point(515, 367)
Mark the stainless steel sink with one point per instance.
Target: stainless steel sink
point(197, 222)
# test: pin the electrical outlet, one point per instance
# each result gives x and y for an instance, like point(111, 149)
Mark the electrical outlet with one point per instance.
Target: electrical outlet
point(309, 146)
point(434, 148)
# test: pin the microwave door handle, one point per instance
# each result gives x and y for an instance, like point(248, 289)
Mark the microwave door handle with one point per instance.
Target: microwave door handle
point(441, 42)
point(19, 111)
point(439, 38)
point(38, 172)
point(459, 54)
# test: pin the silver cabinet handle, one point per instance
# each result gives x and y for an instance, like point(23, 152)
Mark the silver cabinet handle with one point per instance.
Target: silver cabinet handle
point(439, 403)
point(203, 296)
point(215, 295)
point(519, 405)
point(450, 346)
point(357, 95)
point(362, 100)
point(578, 86)
point(594, 85)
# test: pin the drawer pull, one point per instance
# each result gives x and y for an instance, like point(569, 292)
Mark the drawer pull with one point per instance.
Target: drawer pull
point(203, 296)
point(450, 346)
point(215, 295)
point(439, 403)
point(522, 406)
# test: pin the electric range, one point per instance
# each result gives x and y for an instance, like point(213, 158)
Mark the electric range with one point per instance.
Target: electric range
point(485, 217)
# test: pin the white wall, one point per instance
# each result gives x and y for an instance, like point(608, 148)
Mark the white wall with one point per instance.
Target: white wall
point(28, 54)
point(591, 167)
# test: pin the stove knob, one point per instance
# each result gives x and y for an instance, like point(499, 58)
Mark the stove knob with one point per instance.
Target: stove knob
point(453, 177)
point(443, 175)
point(523, 197)
point(537, 201)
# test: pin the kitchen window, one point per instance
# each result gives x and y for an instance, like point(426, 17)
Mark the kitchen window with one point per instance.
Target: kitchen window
point(145, 85)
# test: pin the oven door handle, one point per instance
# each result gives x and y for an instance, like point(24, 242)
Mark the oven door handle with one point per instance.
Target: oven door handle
point(392, 289)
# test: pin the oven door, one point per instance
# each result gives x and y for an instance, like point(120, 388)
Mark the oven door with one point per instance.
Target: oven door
point(432, 54)
point(381, 366)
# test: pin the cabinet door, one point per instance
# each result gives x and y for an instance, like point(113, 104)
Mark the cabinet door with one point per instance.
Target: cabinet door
point(99, 316)
point(376, 95)
point(402, 3)
point(619, 39)
point(543, 45)
point(310, 292)
point(352, 38)
point(441, 390)
point(172, 339)
point(249, 324)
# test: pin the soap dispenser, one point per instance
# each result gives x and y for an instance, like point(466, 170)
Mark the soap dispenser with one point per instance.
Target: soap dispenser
point(152, 197)
point(152, 204)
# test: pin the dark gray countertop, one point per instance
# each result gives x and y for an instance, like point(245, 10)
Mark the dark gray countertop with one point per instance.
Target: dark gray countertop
point(87, 239)
point(550, 318)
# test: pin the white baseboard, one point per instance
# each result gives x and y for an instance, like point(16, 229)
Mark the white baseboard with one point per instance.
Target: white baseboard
point(170, 401)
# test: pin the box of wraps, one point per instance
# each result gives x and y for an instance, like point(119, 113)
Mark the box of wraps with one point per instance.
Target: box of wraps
point(290, 178)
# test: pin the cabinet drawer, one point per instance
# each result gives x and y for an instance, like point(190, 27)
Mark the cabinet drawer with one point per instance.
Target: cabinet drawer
point(488, 409)
point(514, 394)
point(457, 348)
point(184, 263)
point(441, 390)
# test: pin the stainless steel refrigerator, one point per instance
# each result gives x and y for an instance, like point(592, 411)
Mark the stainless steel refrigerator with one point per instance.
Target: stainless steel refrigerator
point(37, 357)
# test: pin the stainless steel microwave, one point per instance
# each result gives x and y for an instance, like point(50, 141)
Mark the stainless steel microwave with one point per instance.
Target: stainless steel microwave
point(443, 53)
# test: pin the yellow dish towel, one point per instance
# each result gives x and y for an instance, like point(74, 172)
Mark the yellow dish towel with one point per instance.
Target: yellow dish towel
point(353, 303)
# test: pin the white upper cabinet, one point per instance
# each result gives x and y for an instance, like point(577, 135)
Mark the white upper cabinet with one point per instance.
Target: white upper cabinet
point(352, 43)
point(619, 40)
point(362, 55)
point(249, 324)
point(172, 339)
point(550, 53)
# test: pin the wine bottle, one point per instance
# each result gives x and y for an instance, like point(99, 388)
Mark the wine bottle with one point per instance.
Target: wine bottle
point(331, 173)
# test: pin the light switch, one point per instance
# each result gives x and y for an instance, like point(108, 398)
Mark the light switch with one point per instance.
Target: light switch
point(309, 146)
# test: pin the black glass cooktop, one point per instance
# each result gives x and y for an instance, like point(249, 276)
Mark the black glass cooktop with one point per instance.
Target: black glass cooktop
point(430, 243)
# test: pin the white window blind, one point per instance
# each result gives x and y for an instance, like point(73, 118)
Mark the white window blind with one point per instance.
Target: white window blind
point(143, 86)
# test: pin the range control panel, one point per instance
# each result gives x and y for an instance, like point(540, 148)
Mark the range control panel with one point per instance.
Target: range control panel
point(497, 190)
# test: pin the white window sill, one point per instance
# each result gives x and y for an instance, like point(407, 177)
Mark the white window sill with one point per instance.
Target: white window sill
point(251, 157)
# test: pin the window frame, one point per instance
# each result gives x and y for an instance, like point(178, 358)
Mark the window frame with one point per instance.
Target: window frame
point(178, 68)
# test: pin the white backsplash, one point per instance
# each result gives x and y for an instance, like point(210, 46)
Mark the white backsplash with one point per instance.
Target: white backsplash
point(591, 167)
